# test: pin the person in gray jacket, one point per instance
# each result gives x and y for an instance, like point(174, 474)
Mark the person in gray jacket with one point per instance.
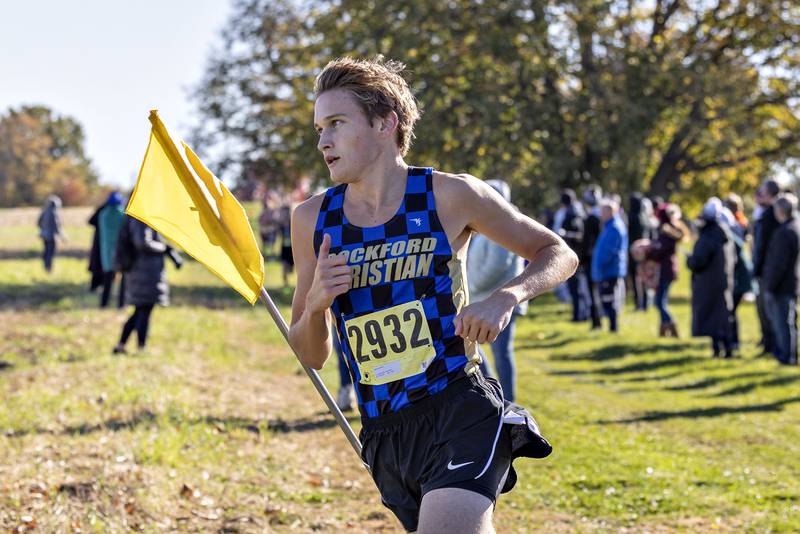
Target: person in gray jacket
point(489, 267)
point(140, 254)
point(49, 229)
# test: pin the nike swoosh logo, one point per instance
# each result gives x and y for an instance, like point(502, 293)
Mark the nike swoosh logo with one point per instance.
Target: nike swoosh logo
point(452, 466)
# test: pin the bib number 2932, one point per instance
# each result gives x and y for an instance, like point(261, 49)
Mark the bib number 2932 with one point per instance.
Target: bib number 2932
point(391, 344)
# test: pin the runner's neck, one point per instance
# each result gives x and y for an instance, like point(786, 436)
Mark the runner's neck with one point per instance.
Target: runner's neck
point(376, 197)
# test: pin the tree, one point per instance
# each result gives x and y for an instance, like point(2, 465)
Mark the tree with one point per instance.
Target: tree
point(666, 96)
point(42, 153)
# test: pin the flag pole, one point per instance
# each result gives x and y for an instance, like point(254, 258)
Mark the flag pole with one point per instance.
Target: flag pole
point(313, 375)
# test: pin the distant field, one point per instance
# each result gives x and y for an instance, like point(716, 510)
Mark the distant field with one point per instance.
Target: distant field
point(215, 429)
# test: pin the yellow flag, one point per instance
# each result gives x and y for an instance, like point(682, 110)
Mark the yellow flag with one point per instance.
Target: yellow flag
point(180, 198)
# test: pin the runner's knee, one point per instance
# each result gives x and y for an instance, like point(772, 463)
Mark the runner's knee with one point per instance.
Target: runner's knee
point(455, 510)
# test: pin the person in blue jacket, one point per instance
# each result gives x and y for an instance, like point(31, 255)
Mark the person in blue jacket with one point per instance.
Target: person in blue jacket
point(610, 261)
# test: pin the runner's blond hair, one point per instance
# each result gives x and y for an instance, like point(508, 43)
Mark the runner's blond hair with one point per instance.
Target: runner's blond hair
point(378, 86)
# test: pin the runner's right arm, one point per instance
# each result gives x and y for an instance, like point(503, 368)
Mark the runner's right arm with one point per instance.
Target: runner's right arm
point(318, 283)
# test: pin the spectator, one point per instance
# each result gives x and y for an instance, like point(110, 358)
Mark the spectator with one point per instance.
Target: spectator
point(712, 266)
point(571, 231)
point(490, 267)
point(663, 250)
point(640, 226)
point(742, 272)
point(763, 229)
point(140, 254)
point(268, 225)
point(107, 221)
point(284, 228)
point(609, 261)
point(742, 226)
point(780, 273)
point(591, 231)
point(50, 229)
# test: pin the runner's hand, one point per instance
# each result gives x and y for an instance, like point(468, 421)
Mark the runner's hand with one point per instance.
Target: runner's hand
point(331, 279)
point(483, 321)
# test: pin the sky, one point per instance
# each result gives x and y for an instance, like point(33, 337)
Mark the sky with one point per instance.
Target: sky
point(106, 64)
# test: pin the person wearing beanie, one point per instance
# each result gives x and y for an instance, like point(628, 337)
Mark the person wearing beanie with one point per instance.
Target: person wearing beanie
point(107, 221)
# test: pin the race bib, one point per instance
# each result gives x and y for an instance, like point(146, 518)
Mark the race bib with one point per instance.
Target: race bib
point(391, 344)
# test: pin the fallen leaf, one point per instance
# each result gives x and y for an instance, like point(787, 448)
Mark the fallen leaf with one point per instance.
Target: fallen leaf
point(186, 492)
point(28, 523)
point(270, 509)
point(38, 489)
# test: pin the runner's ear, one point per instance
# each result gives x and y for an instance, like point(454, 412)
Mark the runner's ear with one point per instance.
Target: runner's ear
point(388, 123)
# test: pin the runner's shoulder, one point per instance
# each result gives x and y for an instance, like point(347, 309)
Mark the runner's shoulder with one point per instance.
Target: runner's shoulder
point(304, 216)
point(307, 211)
point(459, 188)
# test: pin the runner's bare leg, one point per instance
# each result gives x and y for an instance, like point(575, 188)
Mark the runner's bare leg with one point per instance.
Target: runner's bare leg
point(455, 510)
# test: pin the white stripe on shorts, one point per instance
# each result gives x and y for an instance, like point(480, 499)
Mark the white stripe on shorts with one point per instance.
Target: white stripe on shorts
point(494, 446)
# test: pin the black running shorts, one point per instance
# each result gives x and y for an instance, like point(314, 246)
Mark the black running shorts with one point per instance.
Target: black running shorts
point(454, 439)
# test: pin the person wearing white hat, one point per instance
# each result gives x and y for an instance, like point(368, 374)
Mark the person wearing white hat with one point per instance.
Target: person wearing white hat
point(712, 263)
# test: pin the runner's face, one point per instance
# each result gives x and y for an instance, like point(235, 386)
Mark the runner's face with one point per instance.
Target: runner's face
point(347, 141)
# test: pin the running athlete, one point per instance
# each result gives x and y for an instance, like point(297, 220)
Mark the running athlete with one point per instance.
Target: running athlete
point(381, 255)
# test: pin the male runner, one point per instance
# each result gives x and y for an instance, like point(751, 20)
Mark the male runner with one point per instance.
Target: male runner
point(382, 255)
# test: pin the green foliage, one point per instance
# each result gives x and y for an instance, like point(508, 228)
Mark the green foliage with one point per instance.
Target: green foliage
point(43, 153)
point(669, 96)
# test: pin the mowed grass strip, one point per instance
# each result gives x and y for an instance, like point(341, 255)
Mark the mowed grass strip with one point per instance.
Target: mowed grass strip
point(215, 428)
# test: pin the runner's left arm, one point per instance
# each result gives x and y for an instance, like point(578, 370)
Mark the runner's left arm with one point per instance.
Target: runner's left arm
point(551, 260)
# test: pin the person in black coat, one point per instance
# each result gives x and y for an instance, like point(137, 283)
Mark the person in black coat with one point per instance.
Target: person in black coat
point(591, 231)
point(764, 227)
point(712, 263)
point(572, 232)
point(780, 273)
point(140, 254)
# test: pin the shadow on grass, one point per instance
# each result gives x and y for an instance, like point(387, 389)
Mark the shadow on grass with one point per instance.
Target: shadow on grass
point(636, 367)
point(34, 296)
point(547, 343)
point(647, 378)
point(30, 254)
point(714, 380)
point(613, 352)
point(747, 388)
point(222, 424)
point(698, 413)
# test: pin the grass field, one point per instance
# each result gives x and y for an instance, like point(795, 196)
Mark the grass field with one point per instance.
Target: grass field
point(214, 428)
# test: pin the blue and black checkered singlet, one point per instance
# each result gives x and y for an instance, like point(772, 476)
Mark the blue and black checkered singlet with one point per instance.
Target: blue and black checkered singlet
point(396, 321)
